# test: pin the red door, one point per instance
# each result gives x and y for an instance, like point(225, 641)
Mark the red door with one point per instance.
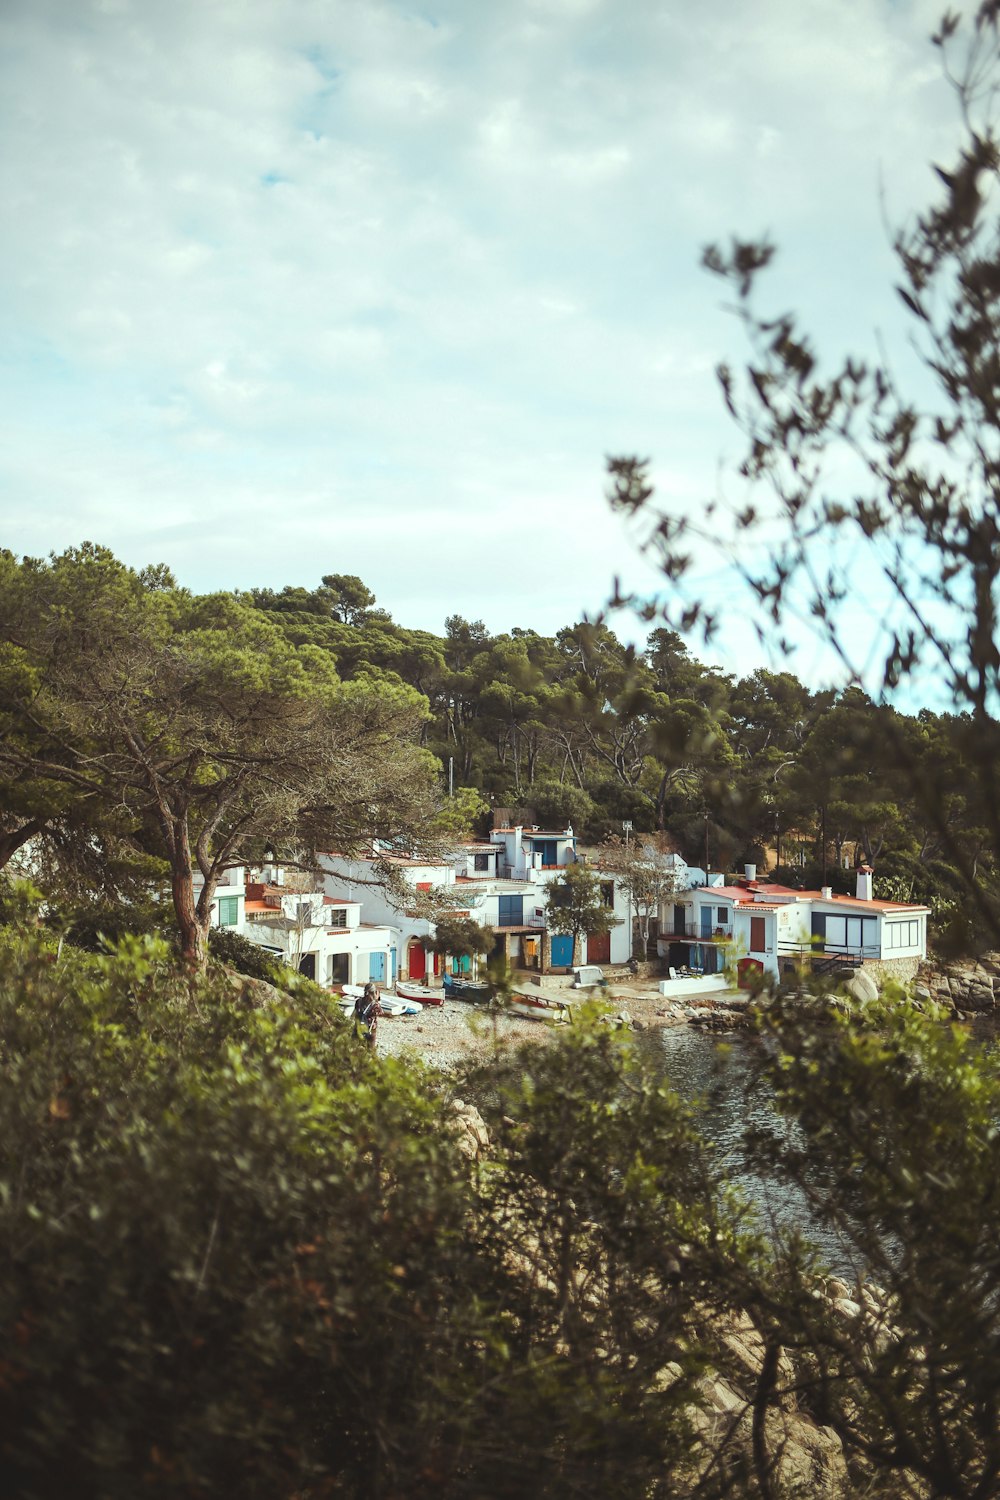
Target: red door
point(749, 973)
point(416, 961)
point(756, 934)
point(599, 949)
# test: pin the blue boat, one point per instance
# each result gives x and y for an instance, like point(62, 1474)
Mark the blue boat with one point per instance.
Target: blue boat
point(466, 989)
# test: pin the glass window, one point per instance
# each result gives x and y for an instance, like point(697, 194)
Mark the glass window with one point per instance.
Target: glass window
point(338, 917)
point(481, 861)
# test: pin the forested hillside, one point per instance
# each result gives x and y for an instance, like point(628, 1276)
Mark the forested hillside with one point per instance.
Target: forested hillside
point(143, 722)
point(581, 728)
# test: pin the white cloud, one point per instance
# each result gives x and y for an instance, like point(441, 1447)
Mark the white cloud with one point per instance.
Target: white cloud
point(330, 284)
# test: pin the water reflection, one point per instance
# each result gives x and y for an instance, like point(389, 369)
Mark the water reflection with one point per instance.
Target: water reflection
point(721, 1078)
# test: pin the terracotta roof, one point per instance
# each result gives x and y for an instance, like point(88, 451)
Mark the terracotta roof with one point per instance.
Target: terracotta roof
point(865, 905)
point(744, 899)
point(340, 901)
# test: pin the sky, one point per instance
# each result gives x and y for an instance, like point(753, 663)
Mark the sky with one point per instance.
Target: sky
point(294, 287)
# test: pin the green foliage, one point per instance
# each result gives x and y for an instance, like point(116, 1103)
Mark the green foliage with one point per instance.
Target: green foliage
point(243, 1256)
point(461, 814)
point(240, 1256)
point(575, 904)
point(558, 804)
point(191, 728)
point(233, 1251)
point(897, 1148)
point(576, 728)
point(238, 952)
point(811, 876)
point(606, 1224)
point(460, 936)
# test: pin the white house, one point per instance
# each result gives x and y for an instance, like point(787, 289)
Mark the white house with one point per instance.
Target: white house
point(767, 928)
point(478, 860)
point(525, 851)
point(501, 884)
point(410, 933)
point(320, 935)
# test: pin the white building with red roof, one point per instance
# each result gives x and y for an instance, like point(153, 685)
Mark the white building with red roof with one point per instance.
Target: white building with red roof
point(321, 934)
point(501, 883)
point(763, 928)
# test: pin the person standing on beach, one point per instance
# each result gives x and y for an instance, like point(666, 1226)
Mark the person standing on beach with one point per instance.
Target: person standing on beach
point(367, 1009)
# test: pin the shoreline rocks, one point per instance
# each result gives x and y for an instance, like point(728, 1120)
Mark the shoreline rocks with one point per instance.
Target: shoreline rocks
point(964, 985)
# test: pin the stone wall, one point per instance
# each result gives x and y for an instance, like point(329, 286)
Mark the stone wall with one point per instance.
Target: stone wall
point(967, 985)
point(902, 970)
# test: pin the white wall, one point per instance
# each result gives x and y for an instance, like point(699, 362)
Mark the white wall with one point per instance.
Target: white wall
point(903, 935)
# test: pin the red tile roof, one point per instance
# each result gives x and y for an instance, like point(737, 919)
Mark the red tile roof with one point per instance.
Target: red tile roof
point(860, 901)
point(743, 897)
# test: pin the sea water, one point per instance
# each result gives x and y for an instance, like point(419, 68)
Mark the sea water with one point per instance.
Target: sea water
point(720, 1078)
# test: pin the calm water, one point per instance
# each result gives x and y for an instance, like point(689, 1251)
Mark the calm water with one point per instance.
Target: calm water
point(715, 1075)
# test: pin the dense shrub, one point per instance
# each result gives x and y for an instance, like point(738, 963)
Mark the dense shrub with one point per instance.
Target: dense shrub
point(233, 1250)
point(246, 957)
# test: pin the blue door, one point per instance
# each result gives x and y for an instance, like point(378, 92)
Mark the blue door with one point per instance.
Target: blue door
point(376, 967)
point(562, 950)
point(706, 921)
point(511, 912)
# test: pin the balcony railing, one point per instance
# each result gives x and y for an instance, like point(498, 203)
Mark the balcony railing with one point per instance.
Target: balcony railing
point(719, 933)
point(839, 952)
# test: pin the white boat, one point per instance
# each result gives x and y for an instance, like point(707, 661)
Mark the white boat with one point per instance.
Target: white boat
point(541, 1005)
point(392, 1006)
point(419, 992)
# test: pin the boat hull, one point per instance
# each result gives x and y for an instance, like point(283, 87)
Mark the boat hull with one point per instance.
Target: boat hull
point(537, 1006)
point(420, 993)
point(464, 989)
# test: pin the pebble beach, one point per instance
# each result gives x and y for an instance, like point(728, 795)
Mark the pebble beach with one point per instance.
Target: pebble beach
point(456, 1031)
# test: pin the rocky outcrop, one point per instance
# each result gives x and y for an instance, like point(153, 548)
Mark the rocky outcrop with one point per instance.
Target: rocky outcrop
point(805, 1461)
point(729, 1011)
point(862, 986)
point(965, 986)
point(473, 1137)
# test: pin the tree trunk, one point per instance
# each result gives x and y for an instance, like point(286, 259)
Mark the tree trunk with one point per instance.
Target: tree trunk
point(193, 933)
point(661, 806)
point(12, 841)
point(192, 917)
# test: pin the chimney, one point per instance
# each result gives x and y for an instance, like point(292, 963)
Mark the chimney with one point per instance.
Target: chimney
point(864, 888)
point(826, 891)
point(750, 871)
